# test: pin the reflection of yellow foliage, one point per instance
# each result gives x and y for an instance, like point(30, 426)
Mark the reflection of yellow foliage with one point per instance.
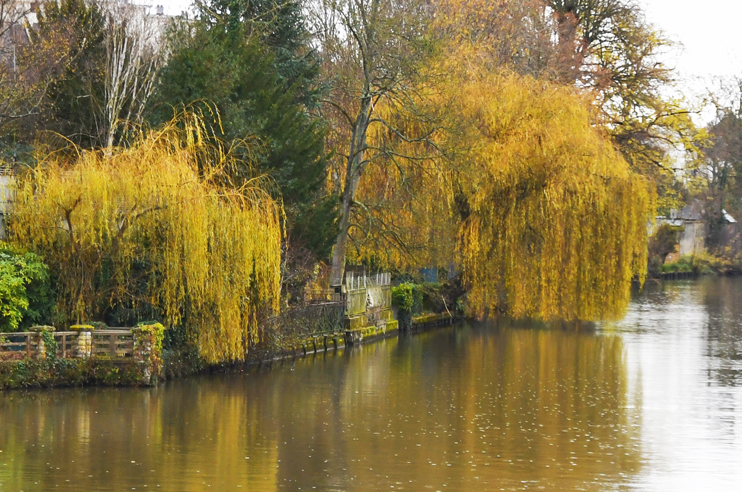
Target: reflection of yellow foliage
point(155, 224)
point(465, 408)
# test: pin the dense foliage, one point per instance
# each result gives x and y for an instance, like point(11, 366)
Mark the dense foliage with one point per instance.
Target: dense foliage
point(557, 221)
point(25, 291)
point(158, 230)
point(523, 145)
point(250, 59)
point(545, 218)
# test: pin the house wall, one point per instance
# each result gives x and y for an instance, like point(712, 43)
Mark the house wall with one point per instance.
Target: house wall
point(692, 239)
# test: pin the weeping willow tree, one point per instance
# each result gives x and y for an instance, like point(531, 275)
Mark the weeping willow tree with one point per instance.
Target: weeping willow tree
point(525, 193)
point(157, 227)
point(554, 222)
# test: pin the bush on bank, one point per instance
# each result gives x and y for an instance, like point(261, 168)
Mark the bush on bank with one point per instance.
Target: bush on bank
point(25, 290)
point(106, 371)
point(705, 263)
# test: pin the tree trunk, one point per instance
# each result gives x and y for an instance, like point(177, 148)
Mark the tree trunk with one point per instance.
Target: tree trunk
point(338, 251)
point(354, 170)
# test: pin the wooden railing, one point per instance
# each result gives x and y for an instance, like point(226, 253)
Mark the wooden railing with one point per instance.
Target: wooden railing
point(113, 342)
point(15, 345)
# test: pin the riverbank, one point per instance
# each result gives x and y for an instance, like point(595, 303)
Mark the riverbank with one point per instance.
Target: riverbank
point(699, 264)
point(44, 357)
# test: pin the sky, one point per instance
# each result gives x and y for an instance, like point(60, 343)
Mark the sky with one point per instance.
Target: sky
point(708, 33)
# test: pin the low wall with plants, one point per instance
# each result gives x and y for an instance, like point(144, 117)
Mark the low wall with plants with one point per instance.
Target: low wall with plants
point(43, 357)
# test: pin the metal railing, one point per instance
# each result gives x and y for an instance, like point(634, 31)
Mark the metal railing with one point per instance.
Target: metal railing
point(303, 321)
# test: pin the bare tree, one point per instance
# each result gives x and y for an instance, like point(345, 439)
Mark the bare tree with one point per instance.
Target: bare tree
point(722, 167)
point(134, 57)
point(12, 16)
point(374, 51)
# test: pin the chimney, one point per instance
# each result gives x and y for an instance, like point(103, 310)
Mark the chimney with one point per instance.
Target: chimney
point(160, 10)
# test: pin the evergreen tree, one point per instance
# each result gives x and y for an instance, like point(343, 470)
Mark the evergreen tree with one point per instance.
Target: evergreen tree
point(257, 74)
point(280, 26)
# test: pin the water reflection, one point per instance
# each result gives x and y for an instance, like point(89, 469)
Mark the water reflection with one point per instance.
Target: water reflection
point(499, 408)
point(683, 358)
point(650, 403)
point(724, 331)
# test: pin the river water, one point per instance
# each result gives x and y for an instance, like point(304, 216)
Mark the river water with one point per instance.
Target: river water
point(652, 402)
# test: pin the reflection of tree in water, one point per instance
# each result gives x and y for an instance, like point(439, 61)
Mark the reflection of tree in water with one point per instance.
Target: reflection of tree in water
point(723, 300)
point(463, 407)
point(484, 406)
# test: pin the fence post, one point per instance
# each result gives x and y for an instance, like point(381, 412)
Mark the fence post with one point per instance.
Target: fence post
point(148, 350)
point(39, 346)
point(84, 347)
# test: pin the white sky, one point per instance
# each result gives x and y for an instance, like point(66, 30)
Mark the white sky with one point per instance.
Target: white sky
point(709, 33)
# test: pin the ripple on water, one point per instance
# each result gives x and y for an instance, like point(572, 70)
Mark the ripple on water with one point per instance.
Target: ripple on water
point(648, 403)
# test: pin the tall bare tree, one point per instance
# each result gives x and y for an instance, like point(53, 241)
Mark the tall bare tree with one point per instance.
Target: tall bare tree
point(134, 56)
point(12, 36)
point(374, 49)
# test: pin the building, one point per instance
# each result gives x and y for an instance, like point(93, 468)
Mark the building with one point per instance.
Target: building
point(690, 221)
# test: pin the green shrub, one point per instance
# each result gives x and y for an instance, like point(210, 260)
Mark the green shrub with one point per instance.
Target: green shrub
point(704, 263)
point(662, 242)
point(25, 292)
point(683, 265)
point(403, 296)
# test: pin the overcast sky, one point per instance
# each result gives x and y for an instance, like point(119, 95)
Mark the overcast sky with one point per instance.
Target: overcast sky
point(710, 32)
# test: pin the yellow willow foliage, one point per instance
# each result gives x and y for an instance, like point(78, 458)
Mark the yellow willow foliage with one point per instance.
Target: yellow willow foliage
point(157, 225)
point(557, 224)
point(403, 210)
point(545, 218)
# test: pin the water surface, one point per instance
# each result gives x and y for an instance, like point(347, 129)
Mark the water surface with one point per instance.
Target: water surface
point(649, 403)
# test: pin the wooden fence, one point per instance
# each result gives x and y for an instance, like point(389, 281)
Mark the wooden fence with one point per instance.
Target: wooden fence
point(113, 342)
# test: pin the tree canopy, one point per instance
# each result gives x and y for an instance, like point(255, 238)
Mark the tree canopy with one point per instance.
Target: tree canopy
point(521, 143)
point(157, 230)
point(543, 216)
point(260, 83)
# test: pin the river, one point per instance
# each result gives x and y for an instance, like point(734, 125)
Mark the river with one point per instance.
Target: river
point(652, 402)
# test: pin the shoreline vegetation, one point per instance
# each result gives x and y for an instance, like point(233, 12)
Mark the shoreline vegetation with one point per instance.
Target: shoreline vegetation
point(153, 365)
point(268, 176)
